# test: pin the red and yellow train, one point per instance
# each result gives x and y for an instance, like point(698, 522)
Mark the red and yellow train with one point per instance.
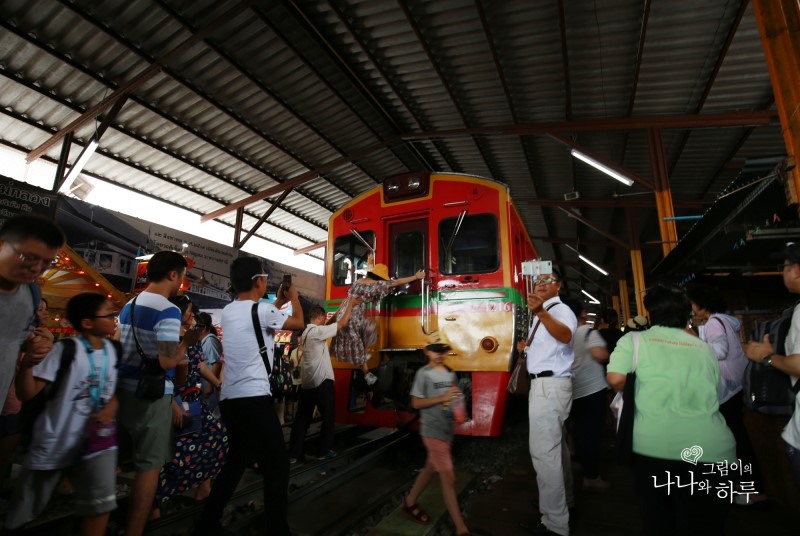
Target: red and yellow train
point(467, 235)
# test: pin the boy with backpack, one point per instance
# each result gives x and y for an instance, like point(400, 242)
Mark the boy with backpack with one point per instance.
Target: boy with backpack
point(432, 393)
point(74, 431)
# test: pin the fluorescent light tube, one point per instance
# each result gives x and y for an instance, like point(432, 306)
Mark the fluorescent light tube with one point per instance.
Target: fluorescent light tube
point(602, 167)
point(84, 157)
point(593, 265)
point(592, 298)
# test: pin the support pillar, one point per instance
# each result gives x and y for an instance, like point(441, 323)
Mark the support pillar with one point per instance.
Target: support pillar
point(638, 280)
point(636, 262)
point(779, 25)
point(669, 232)
point(624, 307)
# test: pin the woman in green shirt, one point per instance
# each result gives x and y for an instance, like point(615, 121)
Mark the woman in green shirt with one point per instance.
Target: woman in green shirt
point(678, 432)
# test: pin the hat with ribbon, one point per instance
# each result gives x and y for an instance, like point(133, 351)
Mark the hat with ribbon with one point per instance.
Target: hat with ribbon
point(380, 270)
point(437, 342)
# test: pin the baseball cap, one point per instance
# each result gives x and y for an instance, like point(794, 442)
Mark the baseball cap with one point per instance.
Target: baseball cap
point(437, 342)
point(791, 253)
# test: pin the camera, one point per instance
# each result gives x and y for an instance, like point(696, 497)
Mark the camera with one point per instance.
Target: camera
point(537, 268)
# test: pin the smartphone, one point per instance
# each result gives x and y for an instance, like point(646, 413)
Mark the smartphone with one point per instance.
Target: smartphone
point(287, 282)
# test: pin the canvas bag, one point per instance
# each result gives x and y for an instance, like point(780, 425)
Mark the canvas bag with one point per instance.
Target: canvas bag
point(626, 407)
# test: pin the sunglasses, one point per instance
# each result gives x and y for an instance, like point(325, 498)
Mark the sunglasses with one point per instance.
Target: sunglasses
point(546, 281)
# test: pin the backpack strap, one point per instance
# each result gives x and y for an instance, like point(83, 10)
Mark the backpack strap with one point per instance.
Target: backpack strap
point(36, 295)
point(118, 349)
point(262, 347)
point(67, 357)
point(718, 319)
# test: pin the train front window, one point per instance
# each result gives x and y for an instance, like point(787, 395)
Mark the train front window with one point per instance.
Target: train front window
point(474, 247)
point(350, 257)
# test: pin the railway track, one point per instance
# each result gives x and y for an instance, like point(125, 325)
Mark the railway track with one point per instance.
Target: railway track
point(309, 484)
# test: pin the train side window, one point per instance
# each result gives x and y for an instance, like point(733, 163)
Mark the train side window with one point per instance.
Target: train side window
point(350, 258)
point(474, 246)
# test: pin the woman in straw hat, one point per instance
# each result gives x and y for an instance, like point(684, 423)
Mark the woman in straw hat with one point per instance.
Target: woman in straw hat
point(351, 343)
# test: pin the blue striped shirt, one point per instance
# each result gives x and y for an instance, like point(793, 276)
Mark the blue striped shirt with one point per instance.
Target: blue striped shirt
point(157, 320)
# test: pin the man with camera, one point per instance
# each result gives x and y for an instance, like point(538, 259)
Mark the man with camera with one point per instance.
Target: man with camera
point(549, 358)
point(246, 398)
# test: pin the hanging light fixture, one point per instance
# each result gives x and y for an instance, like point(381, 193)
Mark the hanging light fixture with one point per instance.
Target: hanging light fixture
point(83, 158)
point(602, 167)
point(592, 299)
point(587, 261)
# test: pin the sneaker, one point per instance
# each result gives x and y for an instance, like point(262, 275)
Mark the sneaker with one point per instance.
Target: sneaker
point(595, 483)
point(370, 378)
point(292, 461)
point(328, 455)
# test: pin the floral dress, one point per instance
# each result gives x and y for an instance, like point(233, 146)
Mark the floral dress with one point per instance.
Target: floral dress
point(351, 343)
point(196, 457)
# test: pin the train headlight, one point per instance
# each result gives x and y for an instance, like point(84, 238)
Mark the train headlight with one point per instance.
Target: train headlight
point(489, 344)
point(414, 183)
point(393, 187)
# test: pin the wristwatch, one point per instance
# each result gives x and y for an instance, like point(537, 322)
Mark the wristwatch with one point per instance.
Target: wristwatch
point(767, 361)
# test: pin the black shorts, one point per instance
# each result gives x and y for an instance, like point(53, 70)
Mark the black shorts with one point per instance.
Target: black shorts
point(293, 395)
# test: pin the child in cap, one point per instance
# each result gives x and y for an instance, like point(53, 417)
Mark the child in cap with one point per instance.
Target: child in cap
point(433, 390)
point(351, 343)
point(75, 432)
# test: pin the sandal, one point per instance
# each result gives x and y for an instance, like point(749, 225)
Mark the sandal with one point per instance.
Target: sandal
point(415, 513)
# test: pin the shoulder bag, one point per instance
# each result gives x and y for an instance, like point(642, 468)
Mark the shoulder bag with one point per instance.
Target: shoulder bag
point(519, 384)
point(627, 408)
point(280, 379)
point(151, 375)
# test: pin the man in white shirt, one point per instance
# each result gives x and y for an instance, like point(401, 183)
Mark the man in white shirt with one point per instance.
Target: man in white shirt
point(789, 360)
point(317, 378)
point(246, 403)
point(549, 359)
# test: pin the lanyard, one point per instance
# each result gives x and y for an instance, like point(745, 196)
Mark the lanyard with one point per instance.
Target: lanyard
point(95, 384)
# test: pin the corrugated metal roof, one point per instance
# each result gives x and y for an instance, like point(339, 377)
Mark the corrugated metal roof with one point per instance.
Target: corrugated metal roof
point(284, 88)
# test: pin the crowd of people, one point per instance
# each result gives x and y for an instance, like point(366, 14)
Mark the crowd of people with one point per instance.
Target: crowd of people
point(153, 388)
point(689, 365)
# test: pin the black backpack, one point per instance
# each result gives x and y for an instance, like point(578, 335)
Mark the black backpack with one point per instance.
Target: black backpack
point(766, 389)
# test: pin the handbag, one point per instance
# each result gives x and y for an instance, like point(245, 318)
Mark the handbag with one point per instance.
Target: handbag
point(519, 384)
point(151, 375)
point(100, 436)
point(280, 379)
point(624, 440)
point(192, 407)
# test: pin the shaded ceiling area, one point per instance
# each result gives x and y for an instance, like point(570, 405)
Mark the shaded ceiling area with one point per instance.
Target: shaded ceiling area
point(311, 103)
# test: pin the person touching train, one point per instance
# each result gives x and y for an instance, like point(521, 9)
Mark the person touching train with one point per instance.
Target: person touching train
point(317, 382)
point(351, 343)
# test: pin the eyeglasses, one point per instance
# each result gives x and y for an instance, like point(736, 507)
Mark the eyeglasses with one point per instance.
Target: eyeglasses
point(109, 315)
point(546, 281)
point(29, 259)
point(260, 275)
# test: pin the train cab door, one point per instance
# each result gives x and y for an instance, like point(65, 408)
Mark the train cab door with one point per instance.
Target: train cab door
point(408, 246)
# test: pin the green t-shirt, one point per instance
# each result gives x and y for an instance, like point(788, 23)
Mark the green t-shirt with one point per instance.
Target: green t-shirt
point(676, 395)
